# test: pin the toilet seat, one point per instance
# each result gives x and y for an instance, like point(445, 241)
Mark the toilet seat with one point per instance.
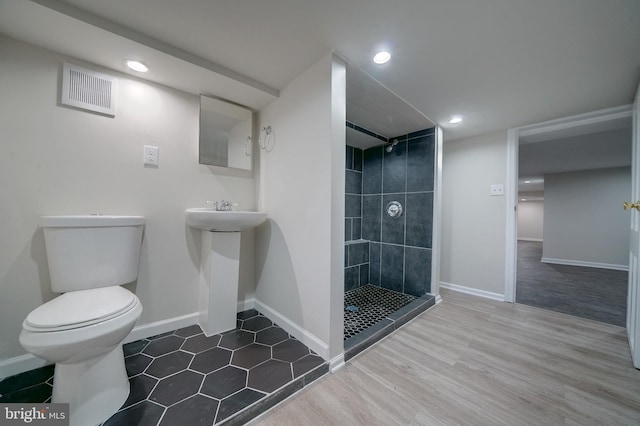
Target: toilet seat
point(80, 309)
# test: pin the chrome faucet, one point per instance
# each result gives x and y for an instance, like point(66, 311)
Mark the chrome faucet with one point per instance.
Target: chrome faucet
point(223, 206)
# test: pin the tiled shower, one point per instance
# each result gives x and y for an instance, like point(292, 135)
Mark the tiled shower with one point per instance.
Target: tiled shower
point(388, 251)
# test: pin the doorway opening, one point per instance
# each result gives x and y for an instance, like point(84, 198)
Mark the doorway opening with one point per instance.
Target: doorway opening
point(567, 236)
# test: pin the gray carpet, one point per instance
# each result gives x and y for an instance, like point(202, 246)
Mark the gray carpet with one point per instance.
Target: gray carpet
point(597, 294)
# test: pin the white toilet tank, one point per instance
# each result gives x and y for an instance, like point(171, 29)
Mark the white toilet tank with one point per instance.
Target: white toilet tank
point(92, 251)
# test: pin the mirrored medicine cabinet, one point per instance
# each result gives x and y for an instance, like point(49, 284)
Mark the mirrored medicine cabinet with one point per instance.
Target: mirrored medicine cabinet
point(225, 134)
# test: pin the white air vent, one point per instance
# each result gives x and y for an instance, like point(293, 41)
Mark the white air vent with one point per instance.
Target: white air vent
point(88, 90)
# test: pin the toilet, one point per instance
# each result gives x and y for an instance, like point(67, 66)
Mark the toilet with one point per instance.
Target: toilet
point(82, 330)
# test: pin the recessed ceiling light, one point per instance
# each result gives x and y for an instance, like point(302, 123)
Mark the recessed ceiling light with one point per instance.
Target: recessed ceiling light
point(381, 57)
point(137, 66)
point(523, 199)
point(455, 120)
point(527, 181)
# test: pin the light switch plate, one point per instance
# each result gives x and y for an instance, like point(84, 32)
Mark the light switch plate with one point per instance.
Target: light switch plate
point(497, 189)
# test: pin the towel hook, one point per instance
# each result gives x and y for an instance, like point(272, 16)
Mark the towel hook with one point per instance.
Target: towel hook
point(267, 141)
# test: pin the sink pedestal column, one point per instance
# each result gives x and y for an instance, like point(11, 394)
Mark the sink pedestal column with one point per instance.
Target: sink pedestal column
point(219, 272)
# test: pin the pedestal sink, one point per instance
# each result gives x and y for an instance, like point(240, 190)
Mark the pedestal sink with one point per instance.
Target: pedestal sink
point(220, 264)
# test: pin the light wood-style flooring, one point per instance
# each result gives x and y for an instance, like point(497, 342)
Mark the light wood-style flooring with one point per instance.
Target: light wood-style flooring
point(473, 361)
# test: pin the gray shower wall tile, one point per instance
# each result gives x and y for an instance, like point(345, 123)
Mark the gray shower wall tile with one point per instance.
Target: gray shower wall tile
point(346, 256)
point(352, 205)
point(351, 278)
point(419, 217)
point(399, 250)
point(364, 274)
point(357, 159)
point(393, 227)
point(417, 271)
point(353, 182)
point(372, 171)
point(347, 229)
point(358, 253)
point(349, 158)
point(356, 272)
point(420, 164)
point(356, 229)
point(374, 263)
point(394, 169)
point(392, 267)
point(371, 220)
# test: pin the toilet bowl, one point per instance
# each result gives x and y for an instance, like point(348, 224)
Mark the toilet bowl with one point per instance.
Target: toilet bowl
point(82, 330)
point(90, 373)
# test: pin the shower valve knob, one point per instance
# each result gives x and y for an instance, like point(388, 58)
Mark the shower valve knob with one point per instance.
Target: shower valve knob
point(394, 209)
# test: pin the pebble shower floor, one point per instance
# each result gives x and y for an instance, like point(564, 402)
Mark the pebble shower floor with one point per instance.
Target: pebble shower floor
point(367, 305)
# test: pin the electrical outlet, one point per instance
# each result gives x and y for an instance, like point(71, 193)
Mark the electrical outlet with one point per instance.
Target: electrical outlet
point(497, 189)
point(151, 154)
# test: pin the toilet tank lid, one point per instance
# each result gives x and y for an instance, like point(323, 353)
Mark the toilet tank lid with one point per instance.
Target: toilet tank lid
point(89, 221)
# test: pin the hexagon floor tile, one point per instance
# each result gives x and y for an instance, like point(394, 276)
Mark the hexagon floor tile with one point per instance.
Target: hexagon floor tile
point(183, 377)
point(217, 378)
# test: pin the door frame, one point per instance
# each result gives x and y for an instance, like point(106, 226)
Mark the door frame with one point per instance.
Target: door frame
point(588, 120)
point(633, 294)
point(436, 236)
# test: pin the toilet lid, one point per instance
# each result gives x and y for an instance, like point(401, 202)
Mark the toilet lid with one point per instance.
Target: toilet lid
point(81, 308)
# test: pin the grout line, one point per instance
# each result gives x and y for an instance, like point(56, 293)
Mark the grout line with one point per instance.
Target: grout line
point(392, 193)
point(404, 230)
point(215, 416)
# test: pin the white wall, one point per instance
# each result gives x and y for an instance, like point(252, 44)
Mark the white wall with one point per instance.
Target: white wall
point(56, 160)
point(473, 222)
point(530, 220)
point(583, 217)
point(605, 149)
point(299, 251)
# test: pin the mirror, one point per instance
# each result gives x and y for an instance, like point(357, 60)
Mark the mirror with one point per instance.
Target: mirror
point(225, 134)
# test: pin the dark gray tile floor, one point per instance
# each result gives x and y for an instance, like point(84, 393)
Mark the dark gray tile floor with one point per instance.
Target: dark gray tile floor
point(185, 378)
point(593, 293)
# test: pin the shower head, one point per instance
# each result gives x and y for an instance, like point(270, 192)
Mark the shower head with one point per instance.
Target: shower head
point(390, 147)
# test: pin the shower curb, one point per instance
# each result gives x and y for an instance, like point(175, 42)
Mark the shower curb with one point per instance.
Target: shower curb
point(356, 344)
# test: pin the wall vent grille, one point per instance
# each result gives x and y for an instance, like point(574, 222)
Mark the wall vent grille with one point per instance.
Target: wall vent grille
point(88, 90)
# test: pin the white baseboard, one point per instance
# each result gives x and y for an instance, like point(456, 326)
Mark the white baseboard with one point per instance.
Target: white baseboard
point(336, 363)
point(245, 305)
point(585, 264)
point(311, 341)
point(438, 299)
point(473, 291)
point(20, 364)
point(26, 362)
point(162, 326)
point(537, 240)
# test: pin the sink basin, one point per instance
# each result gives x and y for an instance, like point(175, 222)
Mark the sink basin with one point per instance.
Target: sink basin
point(223, 221)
